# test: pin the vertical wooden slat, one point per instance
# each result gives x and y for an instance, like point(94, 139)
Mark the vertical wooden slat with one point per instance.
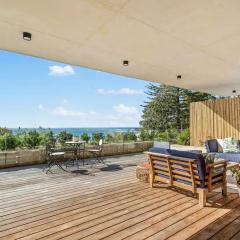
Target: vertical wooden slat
point(194, 188)
point(170, 171)
point(214, 118)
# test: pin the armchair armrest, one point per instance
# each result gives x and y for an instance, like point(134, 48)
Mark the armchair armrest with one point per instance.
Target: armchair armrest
point(217, 163)
point(216, 171)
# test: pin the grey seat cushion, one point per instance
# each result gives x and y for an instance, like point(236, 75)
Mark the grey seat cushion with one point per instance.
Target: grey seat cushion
point(232, 157)
point(160, 150)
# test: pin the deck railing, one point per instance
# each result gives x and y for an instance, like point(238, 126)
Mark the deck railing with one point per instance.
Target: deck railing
point(36, 156)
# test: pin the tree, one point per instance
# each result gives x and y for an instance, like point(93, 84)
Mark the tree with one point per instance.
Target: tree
point(97, 136)
point(4, 130)
point(85, 137)
point(146, 135)
point(49, 139)
point(109, 138)
point(168, 107)
point(131, 136)
point(32, 139)
point(8, 141)
point(63, 137)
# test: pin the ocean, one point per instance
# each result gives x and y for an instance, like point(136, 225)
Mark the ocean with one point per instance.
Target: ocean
point(80, 131)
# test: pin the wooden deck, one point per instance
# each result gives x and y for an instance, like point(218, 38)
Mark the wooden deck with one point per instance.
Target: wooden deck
point(110, 205)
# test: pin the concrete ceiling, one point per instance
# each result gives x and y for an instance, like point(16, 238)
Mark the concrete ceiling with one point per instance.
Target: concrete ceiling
point(161, 38)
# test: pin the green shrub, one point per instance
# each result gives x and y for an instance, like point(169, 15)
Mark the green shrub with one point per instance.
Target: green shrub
point(164, 136)
point(119, 137)
point(172, 134)
point(4, 130)
point(20, 139)
point(131, 136)
point(125, 137)
point(85, 137)
point(147, 135)
point(184, 137)
point(32, 139)
point(169, 135)
point(236, 174)
point(63, 137)
point(209, 158)
point(97, 136)
point(49, 139)
point(8, 141)
point(109, 138)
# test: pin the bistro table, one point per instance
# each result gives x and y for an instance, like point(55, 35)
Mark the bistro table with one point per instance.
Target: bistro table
point(78, 148)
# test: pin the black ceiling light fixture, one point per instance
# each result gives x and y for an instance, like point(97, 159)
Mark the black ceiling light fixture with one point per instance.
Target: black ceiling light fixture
point(125, 63)
point(27, 36)
point(234, 91)
point(179, 76)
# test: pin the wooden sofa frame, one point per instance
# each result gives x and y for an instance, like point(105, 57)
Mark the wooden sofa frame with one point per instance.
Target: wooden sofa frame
point(183, 173)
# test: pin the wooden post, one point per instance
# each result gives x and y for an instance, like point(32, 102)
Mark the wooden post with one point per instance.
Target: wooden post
point(202, 196)
point(224, 184)
point(210, 172)
point(192, 178)
point(151, 173)
point(169, 171)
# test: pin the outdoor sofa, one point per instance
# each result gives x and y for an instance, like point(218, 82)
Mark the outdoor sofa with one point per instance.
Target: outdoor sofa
point(213, 147)
point(186, 170)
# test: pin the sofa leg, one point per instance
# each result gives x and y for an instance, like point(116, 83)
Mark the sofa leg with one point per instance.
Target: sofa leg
point(224, 189)
point(202, 193)
point(151, 180)
point(224, 184)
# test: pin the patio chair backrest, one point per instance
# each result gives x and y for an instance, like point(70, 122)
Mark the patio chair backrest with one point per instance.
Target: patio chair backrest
point(177, 171)
point(200, 162)
point(50, 147)
point(100, 144)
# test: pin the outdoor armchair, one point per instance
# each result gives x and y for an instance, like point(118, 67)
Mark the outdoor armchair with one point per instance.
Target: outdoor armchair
point(188, 174)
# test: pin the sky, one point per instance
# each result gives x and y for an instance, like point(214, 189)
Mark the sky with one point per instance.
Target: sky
point(36, 92)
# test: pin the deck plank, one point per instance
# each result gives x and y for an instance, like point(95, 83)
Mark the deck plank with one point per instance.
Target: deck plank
point(111, 204)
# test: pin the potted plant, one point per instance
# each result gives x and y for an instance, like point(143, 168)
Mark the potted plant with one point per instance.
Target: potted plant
point(236, 174)
point(209, 158)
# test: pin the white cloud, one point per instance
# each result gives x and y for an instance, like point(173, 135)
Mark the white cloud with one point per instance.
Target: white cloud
point(119, 116)
point(101, 91)
point(121, 91)
point(61, 71)
point(40, 107)
point(121, 108)
point(62, 111)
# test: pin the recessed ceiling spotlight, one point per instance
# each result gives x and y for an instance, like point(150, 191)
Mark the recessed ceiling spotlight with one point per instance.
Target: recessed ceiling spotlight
point(233, 91)
point(125, 62)
point(179, 76)
point(27, 36)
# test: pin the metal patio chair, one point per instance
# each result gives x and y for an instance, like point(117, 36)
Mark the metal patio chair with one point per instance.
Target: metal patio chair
point(97, 152)
point(54, 158)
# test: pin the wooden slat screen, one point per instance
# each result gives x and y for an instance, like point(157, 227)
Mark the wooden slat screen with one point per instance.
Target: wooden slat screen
point(214, 119)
